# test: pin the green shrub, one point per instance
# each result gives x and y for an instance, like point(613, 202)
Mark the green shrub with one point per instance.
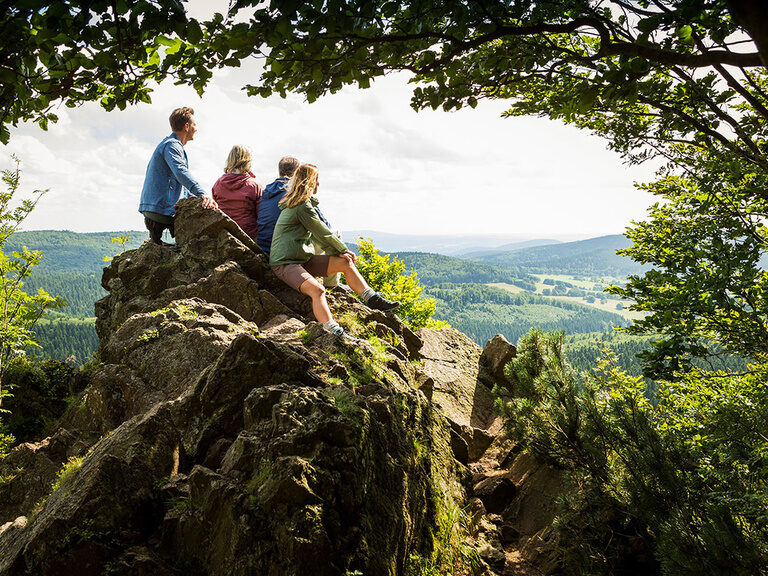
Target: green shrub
point(386, 274)
point(675, 487)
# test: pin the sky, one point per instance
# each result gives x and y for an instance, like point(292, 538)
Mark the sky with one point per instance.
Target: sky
point(383, 166)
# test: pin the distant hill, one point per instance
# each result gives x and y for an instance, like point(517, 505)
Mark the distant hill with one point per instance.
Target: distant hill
point(73, 262)
point(65, 251)
point(482, 311)
point(437, 268)
point(450, 245)
point(586, 257)
point(474, 254)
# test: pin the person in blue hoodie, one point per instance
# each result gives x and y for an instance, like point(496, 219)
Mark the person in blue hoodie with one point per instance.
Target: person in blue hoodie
point(168, 176)
point(269, 212)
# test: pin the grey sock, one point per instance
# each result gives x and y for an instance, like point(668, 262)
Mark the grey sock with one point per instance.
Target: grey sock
point(331, 325)
point(367, 293)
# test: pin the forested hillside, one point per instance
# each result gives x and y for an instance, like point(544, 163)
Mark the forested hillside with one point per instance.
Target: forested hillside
point(436, 268)
point(484, 311)
point(585, 257)
point(72, 265)
point(65, 251)
point(71, 269)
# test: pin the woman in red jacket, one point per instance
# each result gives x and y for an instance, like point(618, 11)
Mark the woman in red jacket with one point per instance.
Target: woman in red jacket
point(237, 191)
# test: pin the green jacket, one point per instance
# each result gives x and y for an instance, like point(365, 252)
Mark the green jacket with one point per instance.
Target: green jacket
point(291, 242)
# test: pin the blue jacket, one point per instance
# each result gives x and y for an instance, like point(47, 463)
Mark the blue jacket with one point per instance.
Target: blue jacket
point(167, 176)
point(269, 212)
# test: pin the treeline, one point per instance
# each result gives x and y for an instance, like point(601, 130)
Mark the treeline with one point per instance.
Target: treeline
point(63, 338)
point(65, 251)
point(436, 268)
point(481, 312)
point(78, 289)
point(585, 350)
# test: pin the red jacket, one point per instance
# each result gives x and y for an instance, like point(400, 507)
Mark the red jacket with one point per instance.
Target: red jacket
point(238, 197)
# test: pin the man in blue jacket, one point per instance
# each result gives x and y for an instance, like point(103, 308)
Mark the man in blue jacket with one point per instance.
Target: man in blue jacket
point(168, 175)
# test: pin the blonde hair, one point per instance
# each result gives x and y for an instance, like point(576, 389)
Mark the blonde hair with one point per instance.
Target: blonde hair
point(239, 160)
point(302, 186)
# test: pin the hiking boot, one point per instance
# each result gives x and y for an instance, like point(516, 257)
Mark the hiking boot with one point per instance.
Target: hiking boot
point(344, 335)
point(378, 302)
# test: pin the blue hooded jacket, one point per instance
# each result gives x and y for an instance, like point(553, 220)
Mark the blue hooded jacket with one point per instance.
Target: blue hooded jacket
point(269, 211)
point(167, 176)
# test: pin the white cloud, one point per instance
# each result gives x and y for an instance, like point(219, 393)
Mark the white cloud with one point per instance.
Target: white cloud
point(383, 166)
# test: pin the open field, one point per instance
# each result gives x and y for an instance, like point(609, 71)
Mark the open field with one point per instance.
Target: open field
point(609, 305)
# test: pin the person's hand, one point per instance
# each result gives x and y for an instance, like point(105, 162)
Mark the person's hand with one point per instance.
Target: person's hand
point(209, 202)
point(350, 256)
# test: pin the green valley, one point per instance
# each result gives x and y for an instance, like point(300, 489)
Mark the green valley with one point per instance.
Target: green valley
point(480, 298)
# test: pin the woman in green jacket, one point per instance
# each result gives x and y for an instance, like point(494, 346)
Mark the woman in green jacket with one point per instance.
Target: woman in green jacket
point(293, 257)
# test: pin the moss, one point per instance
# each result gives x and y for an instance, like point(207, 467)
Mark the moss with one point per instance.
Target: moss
point(264, 471)
point(351, 323)
point(344, 400)
point(79, 534)
point(451, 553)
point(305, 337)
point(179, 503)
point(9, 477)
point(148, 335)
point(420, 447)
point(67, 472)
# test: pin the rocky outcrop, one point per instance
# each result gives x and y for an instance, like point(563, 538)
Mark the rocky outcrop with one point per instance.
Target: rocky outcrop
point(224, 432)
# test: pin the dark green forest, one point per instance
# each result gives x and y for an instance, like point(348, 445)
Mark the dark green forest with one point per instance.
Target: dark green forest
point(65, 251)
point(436, 268)
point(72, 264)
point(484, 311)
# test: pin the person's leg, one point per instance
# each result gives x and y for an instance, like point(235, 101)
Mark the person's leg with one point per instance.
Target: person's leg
point(351, 274)
point(373, 299)
point(314, 290)
point(155, 230)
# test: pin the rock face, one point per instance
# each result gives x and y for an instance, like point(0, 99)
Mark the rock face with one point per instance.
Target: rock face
point(224, 432)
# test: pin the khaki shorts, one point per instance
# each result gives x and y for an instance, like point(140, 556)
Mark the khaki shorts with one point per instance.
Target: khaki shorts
point(296, 274)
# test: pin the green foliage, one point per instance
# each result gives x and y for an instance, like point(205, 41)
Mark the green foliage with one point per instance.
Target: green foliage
point(122, 240)
point(148, 335)
point(586, 350)
point(102, 51)
point(386, 274)
point(708, 281)
point(40, 394)
point(678, 486)
point(19, 311)
point(67, 472)
point(265, 469)
point(451, 555)
point(343, 398)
